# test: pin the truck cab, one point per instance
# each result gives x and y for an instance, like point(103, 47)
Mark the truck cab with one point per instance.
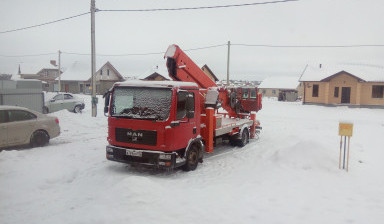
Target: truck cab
point(154, 123)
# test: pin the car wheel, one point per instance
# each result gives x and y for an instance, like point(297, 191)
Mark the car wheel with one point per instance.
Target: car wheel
point(77, 109)
point(192, 158)
point(39, 138)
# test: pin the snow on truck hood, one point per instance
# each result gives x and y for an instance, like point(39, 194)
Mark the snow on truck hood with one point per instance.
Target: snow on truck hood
point(157, 83)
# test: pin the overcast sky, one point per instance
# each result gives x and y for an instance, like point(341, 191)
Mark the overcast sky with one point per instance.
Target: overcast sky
point(305, 22)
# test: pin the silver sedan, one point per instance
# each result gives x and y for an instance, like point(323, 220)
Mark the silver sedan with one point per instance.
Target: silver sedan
point(22, 126)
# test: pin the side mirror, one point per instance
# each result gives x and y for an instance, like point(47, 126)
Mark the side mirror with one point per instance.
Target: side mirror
point(106, 103)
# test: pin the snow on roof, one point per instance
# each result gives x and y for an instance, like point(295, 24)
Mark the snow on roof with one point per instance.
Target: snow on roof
point(286, 82)
point(78, 71)
point(160, 68)
point(32, 68)
point(367, 73)
point(157, 83)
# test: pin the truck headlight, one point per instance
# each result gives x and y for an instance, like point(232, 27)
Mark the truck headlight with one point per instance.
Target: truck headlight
point(109, 149)
point(165, 156)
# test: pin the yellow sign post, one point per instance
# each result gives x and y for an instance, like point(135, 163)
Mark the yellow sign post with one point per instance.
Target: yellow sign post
point(345, 130)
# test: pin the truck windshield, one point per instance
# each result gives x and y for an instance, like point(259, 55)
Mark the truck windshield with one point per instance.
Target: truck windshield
point(141, 103)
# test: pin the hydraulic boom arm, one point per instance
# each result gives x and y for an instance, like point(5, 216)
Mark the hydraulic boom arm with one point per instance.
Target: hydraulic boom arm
point(182, 68)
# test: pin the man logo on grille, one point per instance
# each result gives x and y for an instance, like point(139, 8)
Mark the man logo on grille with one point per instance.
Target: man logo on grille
point(134, 135)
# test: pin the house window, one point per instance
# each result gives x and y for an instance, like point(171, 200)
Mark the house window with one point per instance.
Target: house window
point(315, 91)
point(264, 91)
point(377, 91)
point(274, 92)
point(101, 72)
point(336, 93)
point(107, 72)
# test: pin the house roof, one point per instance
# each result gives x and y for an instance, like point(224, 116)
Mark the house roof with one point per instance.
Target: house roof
point(326, 72)
point(32, 68)
point(159, 68)
point(114, 70)
point(154, 75)
point(282, 82)
point(78, 71)
point(108, 64)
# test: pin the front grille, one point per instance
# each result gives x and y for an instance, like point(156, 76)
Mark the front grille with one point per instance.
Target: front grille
point(141, 137)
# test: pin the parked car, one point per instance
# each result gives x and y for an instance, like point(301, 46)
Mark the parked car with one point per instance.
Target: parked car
point(64, 101)
point(22, 126)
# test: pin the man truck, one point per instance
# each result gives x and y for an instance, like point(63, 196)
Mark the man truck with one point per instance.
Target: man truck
point(169, 124)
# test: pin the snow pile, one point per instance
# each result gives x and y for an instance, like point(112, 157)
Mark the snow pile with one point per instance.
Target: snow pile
point(289, 175)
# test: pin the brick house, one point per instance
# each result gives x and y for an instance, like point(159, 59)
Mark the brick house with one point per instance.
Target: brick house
point(76, 79)
point(354, 85)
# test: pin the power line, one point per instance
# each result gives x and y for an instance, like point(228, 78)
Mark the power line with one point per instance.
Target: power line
point(28, 55)
point(42, 24)
point(113, 55)
point(206, 47)
point(310, 46)
point(149, 10)
point(142, 54)
point(195, 8)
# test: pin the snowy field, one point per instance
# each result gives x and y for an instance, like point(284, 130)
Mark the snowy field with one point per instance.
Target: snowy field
point(289, 175)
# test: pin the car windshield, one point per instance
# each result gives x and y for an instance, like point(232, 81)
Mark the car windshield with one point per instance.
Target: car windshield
point(141, 103)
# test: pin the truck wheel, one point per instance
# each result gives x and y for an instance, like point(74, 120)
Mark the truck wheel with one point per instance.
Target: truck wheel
point(192, 158)
point(244, 138)
point(39, 138)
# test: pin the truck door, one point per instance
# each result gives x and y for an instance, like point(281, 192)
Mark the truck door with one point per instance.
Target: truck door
point(187, 128)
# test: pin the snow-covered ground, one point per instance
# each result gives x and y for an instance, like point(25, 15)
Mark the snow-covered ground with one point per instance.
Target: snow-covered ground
point(289, 175)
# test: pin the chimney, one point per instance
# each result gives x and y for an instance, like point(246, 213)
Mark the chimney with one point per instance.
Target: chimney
point(53, 62)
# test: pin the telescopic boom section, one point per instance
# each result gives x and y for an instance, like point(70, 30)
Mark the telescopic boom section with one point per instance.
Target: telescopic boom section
point(182, 68)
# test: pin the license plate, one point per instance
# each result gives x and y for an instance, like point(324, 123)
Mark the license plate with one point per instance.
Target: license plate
point(133, 153)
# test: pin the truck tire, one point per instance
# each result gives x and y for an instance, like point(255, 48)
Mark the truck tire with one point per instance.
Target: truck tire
point(244, 138)
point(39, 138)
point(192, 158)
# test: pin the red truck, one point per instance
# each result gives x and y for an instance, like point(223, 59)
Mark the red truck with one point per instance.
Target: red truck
point(169, 124)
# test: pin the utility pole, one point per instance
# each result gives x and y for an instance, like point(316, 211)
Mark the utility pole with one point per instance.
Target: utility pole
point(59, 71)
point(93, 59)
point(229, 46)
